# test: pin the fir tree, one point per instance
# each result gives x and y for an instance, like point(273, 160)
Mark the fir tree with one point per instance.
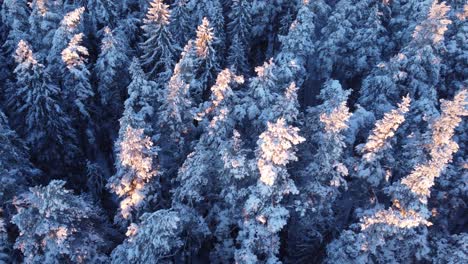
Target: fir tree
point(158, 48)
point(180, 22)
point(154, 240)
point(400, 232)
point(175, 118)
point(14, 16)
point(264, 215)
point(43, 123)
point(69, 27)
point(239, 33)
point(57, 226)
point(15, 168)
point(111, 71)
point(77, 88)
point(374, 150)
point(133, 181)
point(138, 108)
point(101, 13)
point(44, 20)
point(207, 60)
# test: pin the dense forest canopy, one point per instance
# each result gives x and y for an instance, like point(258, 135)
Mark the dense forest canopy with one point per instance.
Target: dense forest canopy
point(233, 131)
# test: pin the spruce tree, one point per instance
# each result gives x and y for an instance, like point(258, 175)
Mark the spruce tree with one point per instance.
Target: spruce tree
point(57, 226)
point(239, 28)
point(69, 27)
point(134, 180)
point(111, 72)
point(180, 22)
point(264, 214)
point(158, 49)
point(44, 125)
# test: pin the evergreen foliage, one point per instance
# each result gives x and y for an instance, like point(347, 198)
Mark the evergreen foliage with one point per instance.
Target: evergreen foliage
point(233, 131)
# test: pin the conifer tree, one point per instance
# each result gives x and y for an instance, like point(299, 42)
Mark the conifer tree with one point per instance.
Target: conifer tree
point(139, 106)
point(134, 181)
point(111, 71)
point(212, 10)
point(264, 214)
point(154, 240)
point(175, 118)
point(158, 48)
point(44, 20)
point(77, 89)
point(43, 123)
point(351, 27)
point(16, 171)
point(57, 226)
point(14, 16)
point(207, 62)
point(101, 13)
point(239, 28)
point(374, 150)
point(323, 178)
point(4, 247)
point(180, 22)
point(400, 232)
point(199, 169)
point(69, 27)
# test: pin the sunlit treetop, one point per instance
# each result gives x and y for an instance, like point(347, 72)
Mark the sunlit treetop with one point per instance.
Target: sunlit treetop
point(433, 28)
point(75, 54)
point(205, 38)
point(158, 13)
point(276, 147)
point(72, 19)
point(385, 129)
point(24, 54)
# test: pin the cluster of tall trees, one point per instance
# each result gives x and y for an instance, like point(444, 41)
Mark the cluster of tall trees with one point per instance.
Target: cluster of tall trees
point(233, 131)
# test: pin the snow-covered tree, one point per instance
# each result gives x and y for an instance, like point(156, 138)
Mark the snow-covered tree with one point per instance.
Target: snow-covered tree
point(101, 13)
point(175, 118)
point(374, 150)
point(353, 39)
point(455, 59)
point(207, 60)
point(264, 214)
point(134, 181)
point(42, 122)
point(69, 27)
point(200, 168)
point(138, 108)
point(414, 71)
point(16, 171)
point(158, 49)
point(77, 89)
point(239, 28)
point(111, 71)
point(213, 11)
point(56, 226)
point(323, 178)
point(14, 15)
point(180, 25)
point(44, 20)
point(154, 240)
point(400, 232)
point(4, 247)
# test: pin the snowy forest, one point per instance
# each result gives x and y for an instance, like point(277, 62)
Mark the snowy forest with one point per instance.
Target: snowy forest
point(233, 131)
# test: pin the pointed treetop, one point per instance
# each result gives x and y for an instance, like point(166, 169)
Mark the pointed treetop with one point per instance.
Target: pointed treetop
point(205, 37)
point(158, 13)
point(75, 54)
point(72, 19)
point(433, 28)
point(24, 54)
point(276, 145)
